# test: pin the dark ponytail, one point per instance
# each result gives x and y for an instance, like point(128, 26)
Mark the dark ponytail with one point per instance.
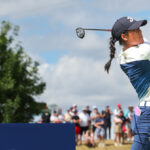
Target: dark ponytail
point(112, 54)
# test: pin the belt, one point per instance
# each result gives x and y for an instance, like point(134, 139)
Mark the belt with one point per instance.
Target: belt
point(144, 103)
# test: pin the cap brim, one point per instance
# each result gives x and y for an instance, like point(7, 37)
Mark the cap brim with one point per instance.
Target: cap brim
point(138, 24)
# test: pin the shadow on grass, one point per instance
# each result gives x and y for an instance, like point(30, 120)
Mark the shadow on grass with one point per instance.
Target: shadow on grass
point(109, 145)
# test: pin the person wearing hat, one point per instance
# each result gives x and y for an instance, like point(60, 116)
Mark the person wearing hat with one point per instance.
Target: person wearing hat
point(134, 60)
point(118, 109)
point(74, 107)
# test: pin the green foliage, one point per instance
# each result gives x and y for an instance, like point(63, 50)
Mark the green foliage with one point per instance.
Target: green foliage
point(19, 79)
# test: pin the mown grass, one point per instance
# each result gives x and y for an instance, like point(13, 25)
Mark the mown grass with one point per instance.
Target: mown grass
point(109, 146)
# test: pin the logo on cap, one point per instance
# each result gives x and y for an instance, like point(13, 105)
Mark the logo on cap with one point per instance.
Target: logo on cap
point(130, 19)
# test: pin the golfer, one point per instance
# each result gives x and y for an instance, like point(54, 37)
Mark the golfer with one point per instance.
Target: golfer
point(134, 60)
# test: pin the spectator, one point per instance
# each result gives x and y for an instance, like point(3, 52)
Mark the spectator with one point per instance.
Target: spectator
point(88, 111)
point(74, 107)
point(84, 123)
point(45, 115)
point(93, 118)
point(117, 111)
point(60, 115)
point(129, 116)
point(99, 124)
point(67, 116)
point(89, 138)
point(76, 121)
point(122, 117)
point(107, 118)
point(54, 118)
point(71, 111)
point(118, 129)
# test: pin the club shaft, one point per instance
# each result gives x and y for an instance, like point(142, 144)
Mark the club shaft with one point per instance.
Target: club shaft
point(97, 29)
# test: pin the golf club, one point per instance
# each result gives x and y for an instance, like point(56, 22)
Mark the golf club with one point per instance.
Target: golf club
point(81, 31)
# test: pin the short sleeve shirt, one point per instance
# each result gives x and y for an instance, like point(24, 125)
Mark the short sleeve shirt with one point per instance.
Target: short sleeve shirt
point(99, 120)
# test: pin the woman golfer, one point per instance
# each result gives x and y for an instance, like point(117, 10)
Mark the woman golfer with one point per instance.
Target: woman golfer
point(134, 60)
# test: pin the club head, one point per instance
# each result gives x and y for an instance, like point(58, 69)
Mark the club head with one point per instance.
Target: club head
point(80, 33)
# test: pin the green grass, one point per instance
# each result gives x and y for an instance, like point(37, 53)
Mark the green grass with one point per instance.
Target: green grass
point(109, 146)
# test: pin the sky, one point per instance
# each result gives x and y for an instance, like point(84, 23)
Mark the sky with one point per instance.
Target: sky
point(73, 68)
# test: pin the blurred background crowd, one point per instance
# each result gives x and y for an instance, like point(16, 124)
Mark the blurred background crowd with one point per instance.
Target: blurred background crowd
point(94, 127)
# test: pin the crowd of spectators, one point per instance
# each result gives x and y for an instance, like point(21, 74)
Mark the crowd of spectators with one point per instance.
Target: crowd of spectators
point(91, 125)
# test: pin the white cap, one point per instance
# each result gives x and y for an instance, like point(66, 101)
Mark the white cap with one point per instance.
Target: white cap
point(94, 107)
point(74, 105)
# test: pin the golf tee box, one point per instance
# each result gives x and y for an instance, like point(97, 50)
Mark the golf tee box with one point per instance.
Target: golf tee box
point(30, 136)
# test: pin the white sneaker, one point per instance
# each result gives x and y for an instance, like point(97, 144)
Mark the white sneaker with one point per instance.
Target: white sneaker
point(99, 145)
point(115, 144)
point(103, 144)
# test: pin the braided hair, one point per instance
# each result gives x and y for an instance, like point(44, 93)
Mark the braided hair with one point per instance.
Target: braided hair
point(112, 54)
point(113, 50)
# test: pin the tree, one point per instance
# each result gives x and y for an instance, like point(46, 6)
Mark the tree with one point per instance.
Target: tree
point(19, 79)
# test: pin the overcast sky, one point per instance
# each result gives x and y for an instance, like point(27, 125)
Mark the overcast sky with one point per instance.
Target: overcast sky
point(73, 68)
